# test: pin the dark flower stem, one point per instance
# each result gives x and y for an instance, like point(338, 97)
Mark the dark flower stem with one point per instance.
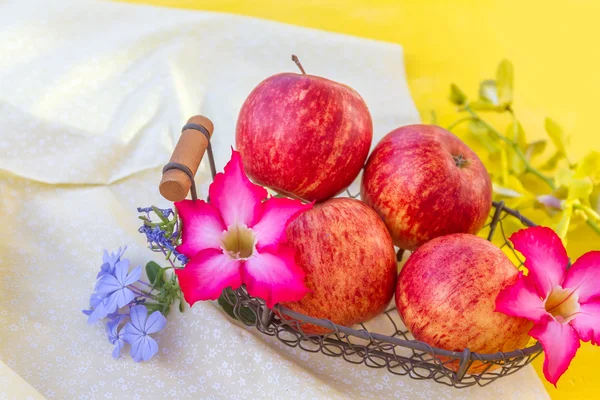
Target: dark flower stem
point(141, 293)
point(167, 257)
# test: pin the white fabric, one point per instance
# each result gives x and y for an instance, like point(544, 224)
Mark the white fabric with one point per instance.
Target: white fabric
point(92, 99)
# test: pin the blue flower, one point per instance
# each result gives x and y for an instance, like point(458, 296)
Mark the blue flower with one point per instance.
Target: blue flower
point(159, 242)
point(109, 261)
point(158, 239)
point(113, 287)
point(95, 300)
point(114, 336)
point(137, 332)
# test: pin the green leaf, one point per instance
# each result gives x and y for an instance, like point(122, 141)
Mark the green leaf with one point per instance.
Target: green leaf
point(152, 307)
point(513, 193)
point(504, 82)
point(228, 308)
point(160, 215)
point(165, 310)
point(580, 189)
point(155, 274)
point(517, 166)
point(534, 149)
point(457, 96)
point(484, 106)
point(588, 211)
point(504, 165)
point(589, 167)
point(488, 92)
point(481, 132)
point(564, 177)
point(516, 133)
point(563, 225)
point(557, 135)
point(246, 314)
point(553, 161)
point(434, 118)
point(506, 192)
point(513, 188)
point(478, 128)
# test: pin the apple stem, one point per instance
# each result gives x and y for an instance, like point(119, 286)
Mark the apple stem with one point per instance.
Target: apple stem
point(297, 61)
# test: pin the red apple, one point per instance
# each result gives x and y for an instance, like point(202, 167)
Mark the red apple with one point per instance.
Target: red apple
point(348, 257)
point(446, 296)
point(304, 136)
point(424, 182)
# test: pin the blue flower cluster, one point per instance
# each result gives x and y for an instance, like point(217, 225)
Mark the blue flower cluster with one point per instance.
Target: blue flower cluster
point(117, 299)
point(162, 237)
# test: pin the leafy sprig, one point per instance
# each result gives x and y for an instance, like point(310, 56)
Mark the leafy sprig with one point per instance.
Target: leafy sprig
point(163, 233)
point(567, 191)
point(166, 288)
point(162, 228)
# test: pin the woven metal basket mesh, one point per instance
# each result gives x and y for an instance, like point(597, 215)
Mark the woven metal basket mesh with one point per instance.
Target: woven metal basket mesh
point(391, 346)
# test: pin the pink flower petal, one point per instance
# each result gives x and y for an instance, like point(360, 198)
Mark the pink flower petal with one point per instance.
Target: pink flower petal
point(232, 193)
point(201, 226)
point(277, 213)
point(587, 322)
point(274, 278)
point(560, 343)
point(545, 257)
point(206, 275)
point(583, 276)
point(521, 300)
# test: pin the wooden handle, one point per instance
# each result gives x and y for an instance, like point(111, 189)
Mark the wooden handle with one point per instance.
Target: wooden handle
point(175, 184)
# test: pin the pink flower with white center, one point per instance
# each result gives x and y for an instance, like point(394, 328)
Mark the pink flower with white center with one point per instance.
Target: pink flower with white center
point(238, 239)
point(563, 304)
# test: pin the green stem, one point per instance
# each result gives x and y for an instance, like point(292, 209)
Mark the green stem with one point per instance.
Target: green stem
point(159, 214)
point(460, 121)
point(528, 167)
point(592, 224)
point(591, 213)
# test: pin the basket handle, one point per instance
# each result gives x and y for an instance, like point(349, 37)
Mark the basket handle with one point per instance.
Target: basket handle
point(178, 174)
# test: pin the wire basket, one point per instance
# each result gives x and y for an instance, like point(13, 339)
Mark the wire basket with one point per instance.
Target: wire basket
point(392, 346)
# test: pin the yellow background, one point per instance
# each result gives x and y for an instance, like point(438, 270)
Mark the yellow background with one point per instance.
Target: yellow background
point(552, 44)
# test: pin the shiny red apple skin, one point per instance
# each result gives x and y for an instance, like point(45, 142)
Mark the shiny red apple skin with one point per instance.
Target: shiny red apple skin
point(349, 260)
point(304, 136)
point(413, 182)
point(446, 296)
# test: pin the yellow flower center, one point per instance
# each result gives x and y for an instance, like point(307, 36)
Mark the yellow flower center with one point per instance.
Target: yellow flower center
point(239, 242)
point(562, 304)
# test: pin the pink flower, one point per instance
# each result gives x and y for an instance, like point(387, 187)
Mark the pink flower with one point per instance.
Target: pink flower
point(237, 238)
point(564, 305)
